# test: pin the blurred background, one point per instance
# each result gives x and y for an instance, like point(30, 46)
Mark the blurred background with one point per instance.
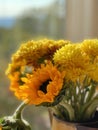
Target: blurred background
point(23, 20)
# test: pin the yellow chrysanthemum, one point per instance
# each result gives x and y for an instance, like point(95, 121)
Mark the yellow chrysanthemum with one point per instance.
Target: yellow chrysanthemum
point(72, 60)
point(93, 73)
point(33, 53)
point(90, 47)
point(15, 66)
point(41, 86)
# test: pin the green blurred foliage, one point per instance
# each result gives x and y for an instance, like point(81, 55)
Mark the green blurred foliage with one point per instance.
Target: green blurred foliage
point(34, 24)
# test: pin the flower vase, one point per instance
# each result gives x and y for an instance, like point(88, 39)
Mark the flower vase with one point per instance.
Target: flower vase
point(58, 124)
point(61, 125)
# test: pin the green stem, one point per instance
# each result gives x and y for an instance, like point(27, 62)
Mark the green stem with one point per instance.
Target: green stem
point(16, 121)
point(69, 109)
point(18, 111)
point(91, 108)
point(57, 112)
point(91, 93)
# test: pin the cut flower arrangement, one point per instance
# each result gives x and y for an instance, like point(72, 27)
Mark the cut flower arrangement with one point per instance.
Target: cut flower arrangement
point(60, 75)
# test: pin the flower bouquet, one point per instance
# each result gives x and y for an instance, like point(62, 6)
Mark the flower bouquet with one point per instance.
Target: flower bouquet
point(59, 75)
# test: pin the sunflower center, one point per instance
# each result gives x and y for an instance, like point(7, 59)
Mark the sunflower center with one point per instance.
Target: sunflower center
point(43, 87)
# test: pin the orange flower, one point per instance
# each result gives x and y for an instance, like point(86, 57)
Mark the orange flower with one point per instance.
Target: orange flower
point(15, 81)
point(41, 86)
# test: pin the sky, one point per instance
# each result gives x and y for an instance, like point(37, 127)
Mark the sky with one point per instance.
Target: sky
point(11, 8)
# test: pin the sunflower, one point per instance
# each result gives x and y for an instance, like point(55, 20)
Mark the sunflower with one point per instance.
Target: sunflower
point(15, 81)
point(42, 86)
